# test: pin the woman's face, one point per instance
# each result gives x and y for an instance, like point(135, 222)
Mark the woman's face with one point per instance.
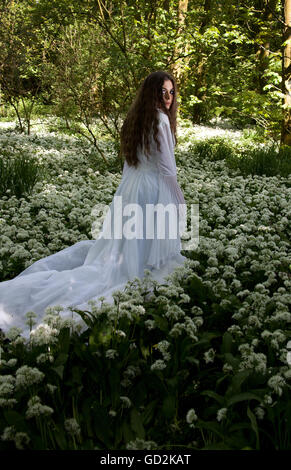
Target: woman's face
point(168, 93)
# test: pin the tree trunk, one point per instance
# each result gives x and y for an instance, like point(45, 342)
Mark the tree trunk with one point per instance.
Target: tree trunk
point(180, 46)
point(265, 10)
point(286, 75)
point(198, 108)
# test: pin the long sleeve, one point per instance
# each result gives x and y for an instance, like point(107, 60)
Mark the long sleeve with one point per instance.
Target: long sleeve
point(166, 161)
point(125, 168)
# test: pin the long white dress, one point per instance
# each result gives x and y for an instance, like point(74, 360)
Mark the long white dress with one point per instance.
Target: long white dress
point(90, 269)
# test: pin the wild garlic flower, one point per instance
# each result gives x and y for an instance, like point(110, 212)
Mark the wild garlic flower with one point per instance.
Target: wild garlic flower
point(7, 402)
point(221, 414)
point(132, 371)
point(209, 355)
point(174, 312)
point(51, 388)
point(158, 365)
point(163, 346)
point(277, 383)
point(72, 427)
point(140, 444)
point(120, 333)
point(260, 412)
point(255, 361)
point(111, 354)
point(44, 334)
point(27, 376)
point(191, 417)
point(36, 409)
point(8, 433)
point(13, 333)
point(11, 362)
point(126, 401)
point(21, 440)
point(150, 324)
point(195, 310)
point(227, 368)
point(6, 389)
point(45, 357)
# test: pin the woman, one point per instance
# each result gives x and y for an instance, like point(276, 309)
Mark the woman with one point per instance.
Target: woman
point(90, 269)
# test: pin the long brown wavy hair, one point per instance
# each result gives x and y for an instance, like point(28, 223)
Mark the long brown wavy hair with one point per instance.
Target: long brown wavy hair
point(143, 115)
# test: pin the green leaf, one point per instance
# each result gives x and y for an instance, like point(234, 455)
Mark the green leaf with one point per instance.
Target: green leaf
point(59, 370)
point(169, 406)
point(13, 418)
point(149, 411)
point(102, 424)
point(211, 426)
point(214, 395)
point(64, 339)
point(60, 437)
point(242, 397)
point(161, 322)
point(61, 359)
point(227, 342)
point(237, 381)
point(254, 426)
point(127, 432)
point(136, 423)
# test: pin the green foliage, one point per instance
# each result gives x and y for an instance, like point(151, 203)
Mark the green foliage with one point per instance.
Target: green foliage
point(268, 161)
point(87, 61)
point(252, 160)
point(18, 174)
point(122, 379)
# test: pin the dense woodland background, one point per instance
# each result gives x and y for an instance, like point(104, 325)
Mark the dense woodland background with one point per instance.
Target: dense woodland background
point(83, 60)
point(205, 363)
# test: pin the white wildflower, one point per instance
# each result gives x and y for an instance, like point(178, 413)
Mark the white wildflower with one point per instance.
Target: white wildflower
point(163, 346)
point(177, 330)
point(190, 417)
point(6, 389)
point(8, 434)
point(260, 412)
point(209, 355)
point(150, 324)
point(138, 309)
point(268, 400)
point(27, 376)
point(51, 388)
point(13, 333)
point(126, 401)
point(196, 310)
point(36, 409)
point(184, 298)
point(72, 427)
point(227, 368)
point(140, 444)
point(111, 353)
point(44, 357)
point(21, 439)
point(221, 414)
point(174, 312)
point(12, 362)
point(7, 402)
point(277, 382)
point(44, 334)
point(158, 365)
point(120, 333)
point(30, 317)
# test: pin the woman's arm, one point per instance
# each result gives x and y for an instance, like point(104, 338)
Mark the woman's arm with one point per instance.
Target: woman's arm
point(166, 161)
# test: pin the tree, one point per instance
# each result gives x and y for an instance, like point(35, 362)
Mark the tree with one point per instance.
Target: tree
point(286, 74)
point(20, 59)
